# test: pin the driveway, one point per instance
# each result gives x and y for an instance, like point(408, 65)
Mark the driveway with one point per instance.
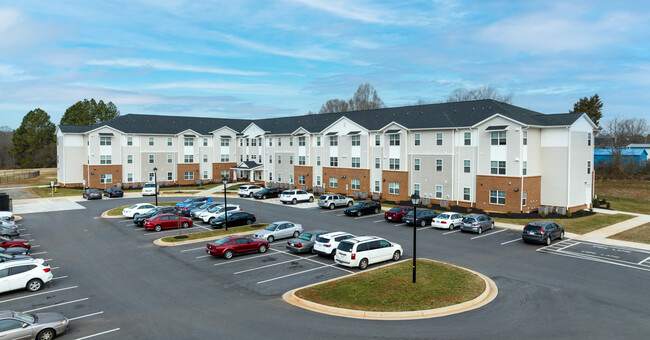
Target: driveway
point(18, 191)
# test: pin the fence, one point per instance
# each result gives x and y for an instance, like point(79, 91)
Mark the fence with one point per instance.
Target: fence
point(8, 176)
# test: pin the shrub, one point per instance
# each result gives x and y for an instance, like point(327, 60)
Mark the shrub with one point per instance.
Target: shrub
point(429, 205)
point(509, 214)
point(591, 209)
point(582, 212)
point(543, 214)
point(569, 214)
point(469, 210)
point(607, 205)
point(397, 202)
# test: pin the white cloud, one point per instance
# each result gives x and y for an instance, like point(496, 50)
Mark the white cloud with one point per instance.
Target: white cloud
point(11, 73)
point(348, 10)
point(227, 87)
point(165, 66)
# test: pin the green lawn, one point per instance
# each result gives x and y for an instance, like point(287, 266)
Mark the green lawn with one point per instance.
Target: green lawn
point(639, 234)
point(577, 225)
point(190, 187)
point(390, 289)
point(217, 232)
point(625, 195)
point(233, 187)
point(61, 192)
point(118, 211)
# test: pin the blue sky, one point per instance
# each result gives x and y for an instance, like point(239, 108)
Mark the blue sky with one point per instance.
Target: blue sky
point(254, 59)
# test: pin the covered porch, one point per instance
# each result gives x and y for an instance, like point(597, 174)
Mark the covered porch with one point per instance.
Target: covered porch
point(248, 171)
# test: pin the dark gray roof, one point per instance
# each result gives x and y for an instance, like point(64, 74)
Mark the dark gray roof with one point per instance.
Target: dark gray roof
point(444, 115)
point(392, 131)
point(496, 127)
point(354, 133)
point(247, 165)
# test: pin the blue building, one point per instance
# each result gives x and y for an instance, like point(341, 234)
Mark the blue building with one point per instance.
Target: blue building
point(629, 155)
point(645, 147)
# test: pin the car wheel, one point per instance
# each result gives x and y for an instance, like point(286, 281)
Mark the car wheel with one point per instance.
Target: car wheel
point(185, 224)
point(270, 238)
point(250, 195)
point(349, 204)
point(34, 285)
point(423, 223)
point(210, 220)
point(562, 235)
point(294, 201)
point(480, 230)
point(359, 213)
point(262, 248)
point(312, 250)
point(158, 228)
point(136, 215)
point(46, 334)
point(263, 197)
point(249, 222)
point(492, 226)
point(311, 199)
point(396, 255)
point(227, 254)
point(376, 211)
point(548, 240)
point(296, 234)
point(333, 254)
point(451, 226)
point(332, 206)
point(363, 264)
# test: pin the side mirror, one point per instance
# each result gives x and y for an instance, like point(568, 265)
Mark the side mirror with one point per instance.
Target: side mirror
point(24, 325)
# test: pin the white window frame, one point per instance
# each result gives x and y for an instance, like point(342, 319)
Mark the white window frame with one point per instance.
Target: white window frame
point(334, 182)
point(498, 138)
point(497, 167)
point(524, 137)
point(439, 165)
point(334, 161)
point(356, 164)
point(302, 160)
point(188, 175)
point(356, 140)
point(105, 159)
point(393, 188)
point(498, 197)
point(416, 139)
point(377, 140)
point(151, 158)
point(439, 138)
point(394, 139)
point(302, 141)
point(103, 140)
point(129, 177)
point(105, 178)
point(393, 163)
point(467, 139)
point(416, 188)
point(334, 140)
point(377, 163)
point(438, 193)
point(588, 167)
point(225, 158)
point(524, 198)
point(188, 159)
point(377, 186)
point(416, 164)
point(170, 176)
point(225, 141)
point(301, 179)
point(524, 168)
point(355, 184)
point(151, 141)
point(170, 159)
point(467, 166)
point(129, 159)
point(129, 141)
point(467, 194)
point(187, 141)
point(169, 141)
point(205, 158)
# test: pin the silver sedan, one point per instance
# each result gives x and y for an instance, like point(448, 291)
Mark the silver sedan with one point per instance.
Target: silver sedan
point(278, 230)
point(305, 242)
point(40, 326)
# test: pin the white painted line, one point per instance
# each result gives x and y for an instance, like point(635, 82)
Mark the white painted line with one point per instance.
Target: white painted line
point(85, 316)
point(592, 258)
point(22, 229)
point(274, 264)
point(59, 277)
point(36, 246)
point(308, 259)
point(97, 334)
point(242, 259)
point(297, 273)
point(31, 240)
point(36, 294)
point(492, 233)
point(47, 260)
point(369, 215)
point(55, 305)
point(402, 225)
point(384, 220)
point(202, 256)
point(422, 228)
point(570, 245)
point(192, 249)
point(340, 215)
point(451, 232)
point(515, 240)
point(32, 254)
point(646, 259)
point(200, 226)
point(327, 211)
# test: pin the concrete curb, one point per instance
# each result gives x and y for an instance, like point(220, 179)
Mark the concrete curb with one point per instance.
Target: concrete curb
point(105, 215)
point(160, 242)
point(490, 293)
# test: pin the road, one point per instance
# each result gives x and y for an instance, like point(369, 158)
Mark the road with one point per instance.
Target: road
point(18, 191)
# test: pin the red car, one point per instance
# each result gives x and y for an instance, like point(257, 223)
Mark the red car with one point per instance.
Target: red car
point(166, 221)
point(6, 242)
point(231, 245)
point(397, 213)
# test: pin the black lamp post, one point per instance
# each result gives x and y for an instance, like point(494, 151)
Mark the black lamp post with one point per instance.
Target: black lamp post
point(155, 181)
point(225, 202)
point(415, 199)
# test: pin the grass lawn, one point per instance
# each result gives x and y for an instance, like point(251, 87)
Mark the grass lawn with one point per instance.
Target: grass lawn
point(390, 289)
point(577, 225)
point(632, 196)
point(190, 187)
point(233, 187)
point(118, 211)
point(218, 232)
point(61, 192)
point(639, 234)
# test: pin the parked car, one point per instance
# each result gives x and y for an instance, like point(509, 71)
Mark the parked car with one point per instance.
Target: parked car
point(7, 215)
point(6, 242)
point(542, 232)
point(476, 223)
point(139, 220)
point(332, 201)
point(14, 251)
point(113, 192)
point(267, 193)
point(235, 245)
point(278, 230)
point(447, 221)
point(191, 200)
point(149, 189)
point(363, 207)
point(9, 229)
point(211, 214)
point(424, 217)
point(247, 190)
point(326, 244)
point(137, 209)
point(166, 221)
point(92, 194)
point(39, 326)
point(30, 274)
point(364, 250)
point(235, 218)
point(295, 196)
point(396, 214)
point(194, 213)
point(305, 242)
point(11, 257)
point(186, 210)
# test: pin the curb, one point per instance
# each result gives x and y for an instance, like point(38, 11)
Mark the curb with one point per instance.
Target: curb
point(490, 293)
point(160, 242)
point(105, 215)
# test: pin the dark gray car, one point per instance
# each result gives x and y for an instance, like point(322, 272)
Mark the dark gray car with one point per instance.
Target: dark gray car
point(40, 326)
point(14, 251)
point(4, 257)
point(9, 229)
point(477, 223)
point(195, 212)
point(305, 242)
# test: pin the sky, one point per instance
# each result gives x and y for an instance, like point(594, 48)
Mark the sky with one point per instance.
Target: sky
point(260, 59)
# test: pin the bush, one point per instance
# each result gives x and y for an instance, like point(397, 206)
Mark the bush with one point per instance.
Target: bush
point(397, 202)
point(569, 214)
point(607, 205)
point(469, 210)
point(429, 205)
point(591, 209)
point(543, 214)
point(595, 202)
point(509, 214)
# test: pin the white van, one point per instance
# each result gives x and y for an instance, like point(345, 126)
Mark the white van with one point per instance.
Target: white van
point(149, 189)
point(364, 250)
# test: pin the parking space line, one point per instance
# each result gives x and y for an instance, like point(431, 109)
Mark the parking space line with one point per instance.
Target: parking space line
point(451, 232)
point(31, 240)
point(357, 218)
point(202, 256)
point(327, 211)
point(163, 233)
point(59, 277)
point(200, 226)
point(43, 252)
point(182, 251)
point(570, 245)
point(297, 273)
point(97, 334)
point(422, 228)
point(36, 246)
point(340, 214)
point(124, 221)
point(384, 220)
point(274, 264)
point(246, 258)
point(646, 259)
point(36, 294)
point(47, 260)
point(515, 240)
point(309, 259)
point(54, 268)
point(55, 305)
point(593, 258)
point(492, 233)
point(402, 225)
point(22, 229)
point(85, 316)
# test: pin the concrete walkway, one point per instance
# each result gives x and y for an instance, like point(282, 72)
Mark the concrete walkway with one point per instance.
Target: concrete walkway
point(602, 235)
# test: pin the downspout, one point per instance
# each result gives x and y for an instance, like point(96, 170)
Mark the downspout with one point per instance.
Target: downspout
point(476, 165)
point(454, 166)
point(521, 171)
point(568, 179)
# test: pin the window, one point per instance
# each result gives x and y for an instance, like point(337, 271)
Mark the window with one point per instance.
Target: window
point(301, 141)
point(205, 174)
point(317, 180)
point(498, 138)
point(356, 162)
point(169, 141)
point(356, 140)
point(468, 138)
point(225, 174)
point(279, 159)
point(497, 197)
point(334, 140)
point(588, 167)
point(129, 159)
point(466, 194)
point(333, 182)
point(241, 142)
point(225, 158)
point(525, 136)
point(393, 188)
point(393, 163)
point(205, 158)
point(301, 179)
point(589, 139)
point(248, 142)
point(317, 160)
point(377, 140)
point(439, 138)
point(105, 178)
point(377, 163)
point(416, 164)
point(189, 159)
point(129, 141)
point(270, 176)
point(279, 141)
point(105, 159)
point(524, 169)
point(334, 161)
point(290, 159)
point(170, 159)
point(150, 141)
point(318, 141)
point(152, 159)
point(259, 141)
point(301, 160)
point(393, 139)
point(241, 158)
point(416, 189)
point(290, 178)
point(524, 196)
point(377, 186)
point(188, 141)
point(290, 141)
point(417, 139)
point(438, 191)
point(270, 141)
point(253, 142)
point(129, 177)
point(152, 176)
point(205, 141)
point(225, 141)
point(467, 166)
point(170, 176)
point(104, 140)
point(438, 165)
point(355, 184)
point(247, 157)
point(189, 175)
point(498, 167)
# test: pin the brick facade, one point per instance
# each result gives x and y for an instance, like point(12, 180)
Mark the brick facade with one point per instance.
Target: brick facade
point(344, 175)
point(182, 168)
point(218, 167)
point(97, 170)
point(511, 186)
point(401, 177)
point(533, 189)
point(307, 171)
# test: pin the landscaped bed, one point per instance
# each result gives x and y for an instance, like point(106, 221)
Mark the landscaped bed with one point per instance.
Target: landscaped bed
point(639, 234)
point(576, 225)
point(118, 211)
point(216, 233)
point(390, 289)
point(60, 192)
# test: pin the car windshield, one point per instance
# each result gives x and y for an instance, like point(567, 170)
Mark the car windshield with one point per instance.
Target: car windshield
point(468, 220)
point(395, 210)
point(188, 200)
point(133, 206)
point(420, 212)
point(345, 246)
point(532, 227)
point(5, 239)
point(93, 190)
point(322, 239)
point(24, 317)
point(204, 205)
point(322, 197)
point(150, 185)
point(221, 241)
point(358, 204)
point(443, 216)
point(305, 236)
point(271, 227)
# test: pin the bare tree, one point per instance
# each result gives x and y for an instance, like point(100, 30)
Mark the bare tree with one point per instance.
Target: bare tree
point(483, 92)
point(366, 98)
point(334, 105)
point(619, 132)
point(6, 160)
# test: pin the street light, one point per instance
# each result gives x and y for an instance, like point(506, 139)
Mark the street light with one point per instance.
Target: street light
point(155, 182)
point(225, 202)
point(415, 199)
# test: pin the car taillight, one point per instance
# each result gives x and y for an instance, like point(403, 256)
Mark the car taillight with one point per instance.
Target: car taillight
point(325, 201)
point(47, 270)
point(353, 256)
point(327, 245)
point(299, 245)
point(541, 230)
point(443, 222)
point(475, 224)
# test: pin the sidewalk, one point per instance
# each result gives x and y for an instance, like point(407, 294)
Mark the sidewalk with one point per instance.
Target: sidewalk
point(602, 235)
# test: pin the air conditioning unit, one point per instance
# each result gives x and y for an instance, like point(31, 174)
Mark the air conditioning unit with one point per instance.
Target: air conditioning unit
point(444, 203)
point(561, 210)
point(545, 209)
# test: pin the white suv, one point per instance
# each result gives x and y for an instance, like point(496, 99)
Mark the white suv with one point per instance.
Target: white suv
point(30, 274)
point(248, 190)
point(326, 244)
point(137, 209)
point(214, 212)
point(364, 250)
point(149, 189)
point(295, 196)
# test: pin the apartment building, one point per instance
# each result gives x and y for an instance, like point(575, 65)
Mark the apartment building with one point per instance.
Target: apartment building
point(484, 154)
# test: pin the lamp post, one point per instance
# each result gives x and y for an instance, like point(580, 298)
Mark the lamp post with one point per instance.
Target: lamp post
point(225, 202)
point(415, 199)
point(155, 182)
